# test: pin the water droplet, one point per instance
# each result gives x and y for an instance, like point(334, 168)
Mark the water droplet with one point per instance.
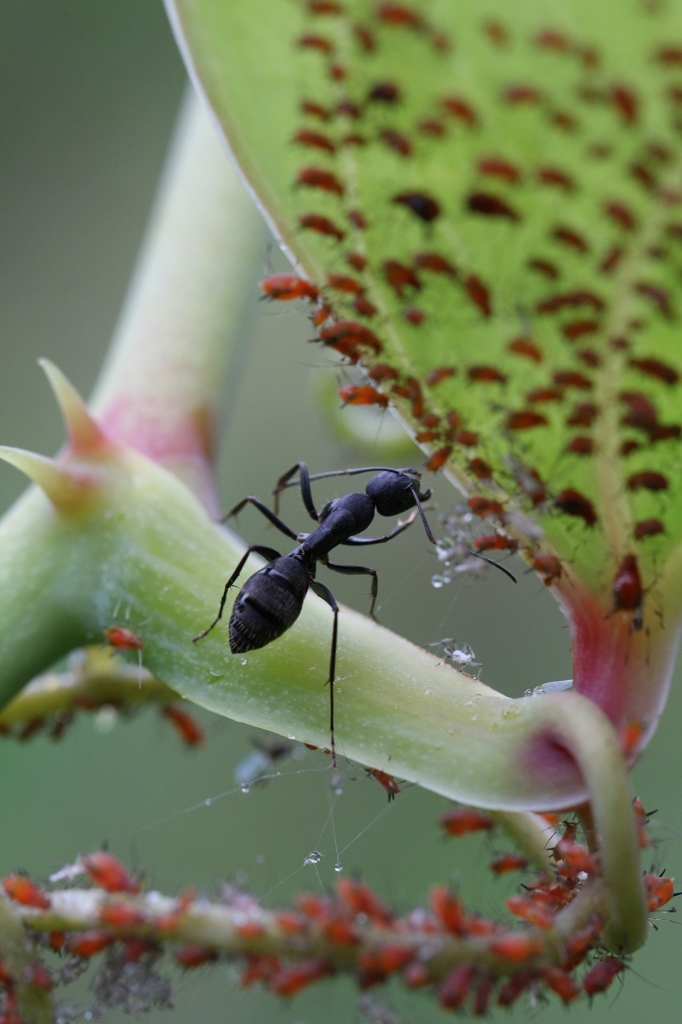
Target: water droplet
point(314, 857)
point(338, 866)
point(208, 801)
point(437, 581)
point(338, 791)
point(290, 736)
point(427, 693)
point(243, 661)
point(245, 787)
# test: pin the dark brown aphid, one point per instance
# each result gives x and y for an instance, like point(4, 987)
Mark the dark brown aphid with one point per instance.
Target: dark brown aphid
point(659, 296)
point(580, 445)
point(429, 126)
point(491, 206)
point(579, 328)
point(556, 178)
point(568, 300)
point(323, 225)
point(627, 593)
point(656, 368)
point(364, 38)
point(286, 287)
point(551, 39)
point(571, 238)
point(480, 469)
point(312, 42)
point(316, 177)
point(441, 373)
point(414, 316)
point(384, 92)
point(357, 219)
point(526, 419)
point(438, 459)
point(589, 357)
point(544, 267)
point(521, 93)
point(423, 206)
point(486, 507)
point(645, 176)
point(400, 15)
point(583, 415)
point(396, 141)
point(314, 109)
point(316, 140)
point(625, 102)
point(573, 503)
point(467, 438)
point(620, 215)
point(497, 167)
point(572, 379)
point(435, 263)
point(526, 347)
point(344, 283)
point(647, 528)
point(563, 120)
point(363, 306)
point(548, 567)
point(538, 396)
point(486, 374)
point(647, 480)
point(496, 32)
point(356, 261)
point(496, 542)
point(461, 110)
point(641, 413)
point(350, 331)
point(400, 277)
point(382, 372)
point(479, 294)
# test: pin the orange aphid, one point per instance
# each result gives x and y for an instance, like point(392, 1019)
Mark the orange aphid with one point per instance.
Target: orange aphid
point(285, 287)
point(169, 922)
point(575, 858)
point(560, 982)
point(602, 975)
point(508, 862)
point(194, 956)
point(548, 566)
point(659, 891)
point(462, 821)
point(448, 909)
point(360, 899)
point(629, 738)
point(88, 943)
point(316, 177)
point(438, 459)
point(121, 915)
point(287, 981)
point(188, 729)
point(530, 910)
point(344, 283)
point(108, 873)
point(385, 780)
point(22, 890)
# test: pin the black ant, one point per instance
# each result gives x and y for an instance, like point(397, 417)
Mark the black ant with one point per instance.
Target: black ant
point(271, 600)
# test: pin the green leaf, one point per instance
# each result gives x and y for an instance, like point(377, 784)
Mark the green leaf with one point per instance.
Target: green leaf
point(538, 156)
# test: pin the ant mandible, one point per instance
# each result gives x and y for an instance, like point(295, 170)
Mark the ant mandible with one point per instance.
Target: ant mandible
point(271, 599)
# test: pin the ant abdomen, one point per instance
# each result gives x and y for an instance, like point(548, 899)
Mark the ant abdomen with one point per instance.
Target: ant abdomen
point(268, 604)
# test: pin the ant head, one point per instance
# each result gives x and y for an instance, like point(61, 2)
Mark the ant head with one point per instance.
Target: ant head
point(393, 491)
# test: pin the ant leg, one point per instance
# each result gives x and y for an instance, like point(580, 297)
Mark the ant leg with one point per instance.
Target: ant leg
point(269, 553)
point(358, 541)
point(326, 595)
point(264, 510)
point(358, 570)
point(304, 483)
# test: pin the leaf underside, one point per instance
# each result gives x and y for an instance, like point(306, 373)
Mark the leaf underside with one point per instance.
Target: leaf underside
point(503, 184)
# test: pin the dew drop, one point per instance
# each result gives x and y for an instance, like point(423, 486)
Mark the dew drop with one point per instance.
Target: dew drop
point(290, 736)
point(437, 581)
point(243, 661)
point(338, 866)
point(208, 801)
point(245, 787)
point(314, 857)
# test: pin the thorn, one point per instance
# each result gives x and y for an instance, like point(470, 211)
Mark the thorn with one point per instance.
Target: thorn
point(64, 486)
point(83, 432)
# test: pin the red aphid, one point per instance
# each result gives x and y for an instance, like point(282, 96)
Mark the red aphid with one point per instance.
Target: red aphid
point(497, 167)
point(526, 419)
point(657, 369)
point(359, 899)
point(455, 989)
point(190, 957)
point(520, 93)
point(555, 178)
point(486, 507)
point(382, 372)
point(429, 126)
point(88, 943)
point(571, 238)
point(647, 480)
point(400, 277)
point(315, 110)
point(486, 374)
point(569, 300)
point(289, 980)
point(57, 940)
point(467, 438)
point(321, 314)
point(580, 445)
point(626, 590)
point(480, 469)
point(648, 528)
point(516, 947)
point(385, 780)
point(479, 294)
point(538, 396)
point(324, 7)
point(496, 542)
point(438, 459)
point(121, 915)
point(573, 503)
point(323, 225)
point(357, 261)
point(659, 891)
point(583, 415)
point(461, 110)
point(435, 263)
point(362, 394)
point(575, 859)
point(188, 729)
point(560, 982)
point(578, 944)
point(482, 993)
point(349, 331)
point(544, 267)
point(462, 821)
point(441, 373)
point(514, 987)
point(426, 436)
point(550, 39)
point(414, 316)
point(22, 890)
point(508, 862)
point(527, 348)
point(448, 909)
point(491, 206)
point(602, 975)
point(363, 306)
point(396, 141)
point(572, 379)
point(344, 283)
point(107, 872)
point(530, 910)
point(286, 287)
point(38, 976)
point(170, 921)
point(315, 140)
point(316, 177)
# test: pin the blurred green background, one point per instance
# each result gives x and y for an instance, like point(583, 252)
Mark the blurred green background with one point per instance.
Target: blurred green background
point(88, 95)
